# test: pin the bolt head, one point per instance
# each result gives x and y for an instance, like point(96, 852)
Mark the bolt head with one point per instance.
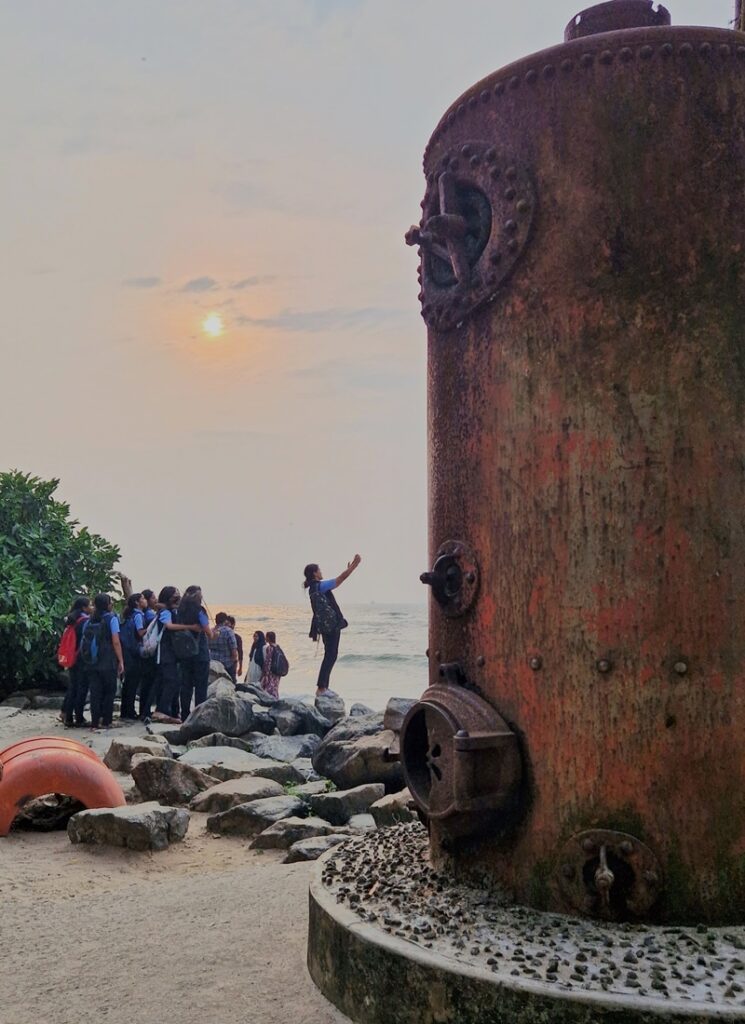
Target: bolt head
point(481, 661)
point(470, 576)
point(462, 734)
point(603, 665)
point(588, 845)
point(681, 667)
point(536, 662)
point(626, 848)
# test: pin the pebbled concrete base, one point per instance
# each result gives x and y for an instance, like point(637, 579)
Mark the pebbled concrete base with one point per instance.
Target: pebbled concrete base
point(375, 977)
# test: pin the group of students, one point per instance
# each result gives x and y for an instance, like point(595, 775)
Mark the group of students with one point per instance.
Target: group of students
point(162, 648)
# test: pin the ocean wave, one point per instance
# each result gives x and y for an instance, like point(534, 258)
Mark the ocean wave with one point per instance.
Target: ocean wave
point(410, 658)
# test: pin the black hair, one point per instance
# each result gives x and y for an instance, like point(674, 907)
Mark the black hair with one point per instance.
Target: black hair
point(77, 608)
point(257, 647)
point(189, 603)
point(231, 621)
point(101, 605)
point(131, 606)
point(309, 572)
point(221, 618)
point(271, 637)
point(147, 593)
point(166, 595)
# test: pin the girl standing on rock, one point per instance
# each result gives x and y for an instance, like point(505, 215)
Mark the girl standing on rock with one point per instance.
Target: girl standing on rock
point(328, 621)
point(256, 659)
point(195, 671)
point(133, 630)
point(269, 681)
point(168, 679)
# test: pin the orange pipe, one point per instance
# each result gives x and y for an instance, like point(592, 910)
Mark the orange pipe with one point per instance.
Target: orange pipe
point(52, 764)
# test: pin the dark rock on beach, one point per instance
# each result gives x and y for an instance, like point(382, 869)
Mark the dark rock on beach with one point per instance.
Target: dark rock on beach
point(227, 714)
point(249, 819)
point(339, 807)
point(169, 781)
point(311, 849)
point(355, 752)
point(236, 791)
point(282, 834)
point(285, 748)
point(395, 711)
point(119, 755)
point(141, 827)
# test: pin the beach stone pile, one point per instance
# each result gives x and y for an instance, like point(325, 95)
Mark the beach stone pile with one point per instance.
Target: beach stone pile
point(386, 880)
point(321, 776)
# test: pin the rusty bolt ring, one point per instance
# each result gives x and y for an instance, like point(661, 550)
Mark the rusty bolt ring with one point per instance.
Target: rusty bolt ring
point(587, 59)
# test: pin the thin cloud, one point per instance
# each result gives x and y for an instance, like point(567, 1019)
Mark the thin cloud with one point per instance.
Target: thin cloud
point(335, 319)
point(200, 284)
point(142, 282)
point(250, 282)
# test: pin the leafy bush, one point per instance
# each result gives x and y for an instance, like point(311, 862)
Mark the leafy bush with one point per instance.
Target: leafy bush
point(46, 560)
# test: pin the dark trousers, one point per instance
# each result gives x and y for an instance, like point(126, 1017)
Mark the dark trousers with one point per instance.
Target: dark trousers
point(330, 654)
point(148, 695)
point(75, 697)
point(167, 681)
point(195, 676)
point(132, 677)
point(102, 684)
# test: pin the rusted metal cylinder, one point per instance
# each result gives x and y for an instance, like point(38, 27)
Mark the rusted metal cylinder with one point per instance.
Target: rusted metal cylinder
point(583, 284)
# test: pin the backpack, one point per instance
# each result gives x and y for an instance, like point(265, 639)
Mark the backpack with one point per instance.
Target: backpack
point(280, 665)
point(150, 643)
point(67, 652)
point(185, 645)
point(326, 616)
point(96, 640)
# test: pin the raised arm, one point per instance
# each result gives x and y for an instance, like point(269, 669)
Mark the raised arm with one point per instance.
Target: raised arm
point(351, 566)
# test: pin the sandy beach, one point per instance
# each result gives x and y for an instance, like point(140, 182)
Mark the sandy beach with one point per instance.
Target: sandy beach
point(205, 932)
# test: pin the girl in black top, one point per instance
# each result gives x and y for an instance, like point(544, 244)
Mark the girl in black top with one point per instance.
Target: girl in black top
point(77, 689)
point(328, 621)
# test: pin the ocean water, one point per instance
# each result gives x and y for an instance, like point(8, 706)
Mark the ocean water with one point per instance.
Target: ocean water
point(381, 654)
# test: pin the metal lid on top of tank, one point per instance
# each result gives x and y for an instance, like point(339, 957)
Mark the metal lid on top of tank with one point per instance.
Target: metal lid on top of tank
point(616, 15)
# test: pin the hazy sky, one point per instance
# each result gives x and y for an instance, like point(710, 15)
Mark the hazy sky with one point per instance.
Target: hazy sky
point(164, 159)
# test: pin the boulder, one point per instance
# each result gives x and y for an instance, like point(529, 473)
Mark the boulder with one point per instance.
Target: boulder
point(395, 711)
point(309, 789)
point(218, 671)
point(120, 753)
point(169, 781)
point(227, 714)
point(17, 700)
point(279, 771)
point(360, 709)
point(294, 717)
point(257, 694)
point(141, 827)
point(49, 701)
point(236, 791)
point(331, 707)
point(304, 766)
point(282, 834)
point(311, 849)
point(264, 723)
point(222, 763)
point(219, 739)
point(362, 823)
point(250, 819)
point(391, 809)
point(356, 752)
point(338, 808)
point(285, 748)
point(223, 686)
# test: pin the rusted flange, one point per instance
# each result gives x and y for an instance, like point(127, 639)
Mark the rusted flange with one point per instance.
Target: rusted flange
point(608, 874)
point(460, 759)
point(454, 577)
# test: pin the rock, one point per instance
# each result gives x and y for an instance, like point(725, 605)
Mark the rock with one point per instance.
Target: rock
point(139, 758)
point(221, 763)
point(141, 827)
point(304, 765)
point(309, 789)
point(264, 723)
point(285, 748)
point(226, 714)
point(395, 711)
point(393, 808)
point(249, 819)
point(218, 671)
point(49, 701)
point(360, 709)
point(331, 707)
point(338, 808)
point(236, 791)
point(219, 739)
point(355, 752)
point(169, 781)
point(362, 823)
point(48, 813)
point(279, 771)
point(294, 717)
point(282, 834)
point(311, 849)
point(119, 755)
point(223, 686)
point(257, 694)
point(16, 700)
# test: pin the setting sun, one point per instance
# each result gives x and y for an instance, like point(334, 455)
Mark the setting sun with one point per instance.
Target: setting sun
point(213, 325)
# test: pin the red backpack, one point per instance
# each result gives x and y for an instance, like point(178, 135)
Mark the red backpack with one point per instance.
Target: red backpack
point(67, 652)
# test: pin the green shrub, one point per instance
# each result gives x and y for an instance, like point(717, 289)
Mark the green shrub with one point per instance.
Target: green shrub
point(46, 560)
